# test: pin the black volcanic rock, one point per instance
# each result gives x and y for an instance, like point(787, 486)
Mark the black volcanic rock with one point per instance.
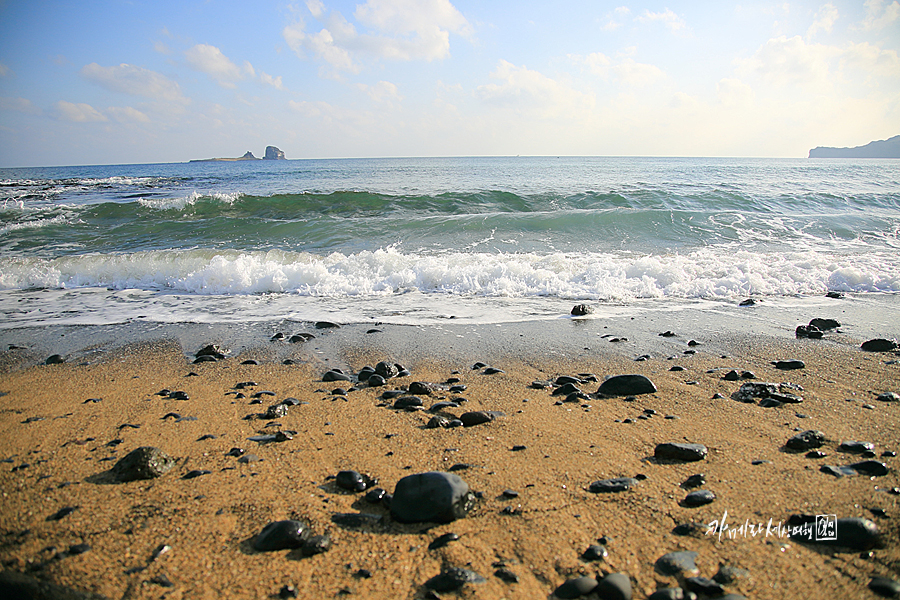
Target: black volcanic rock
point(626, 385)
point(434, 496)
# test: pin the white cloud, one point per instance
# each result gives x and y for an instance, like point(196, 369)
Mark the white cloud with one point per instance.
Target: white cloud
point(383, 91)
point(22, 105)
point(667, 17)
point(162, 48)
point(522, 89)
point(880, 66)
point(135, 81)
point(78, 113)
point(637, 74)
point(315, 7)
point(734, 93)
point(275, 82)
point(596, 62)
point(210, 60)
point(879, 14)
point(824, 20)
point(615, 19)
point(403, 30)
point(787, 61)
point(127, 114)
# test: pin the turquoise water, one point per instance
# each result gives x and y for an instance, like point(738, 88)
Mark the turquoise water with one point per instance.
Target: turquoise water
point(422, 238)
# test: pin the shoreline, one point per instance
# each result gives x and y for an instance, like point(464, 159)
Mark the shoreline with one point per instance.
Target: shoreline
point(56, 444)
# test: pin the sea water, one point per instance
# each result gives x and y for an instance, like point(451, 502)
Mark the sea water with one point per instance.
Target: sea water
point(421, 240)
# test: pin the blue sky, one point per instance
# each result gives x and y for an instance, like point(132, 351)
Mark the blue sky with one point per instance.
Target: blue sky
point(109, 82)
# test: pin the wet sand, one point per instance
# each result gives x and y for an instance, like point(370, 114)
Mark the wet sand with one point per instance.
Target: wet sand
point(58, 445)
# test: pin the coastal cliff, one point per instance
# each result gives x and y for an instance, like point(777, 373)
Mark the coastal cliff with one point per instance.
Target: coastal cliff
point(272, 153)
point(889, 148)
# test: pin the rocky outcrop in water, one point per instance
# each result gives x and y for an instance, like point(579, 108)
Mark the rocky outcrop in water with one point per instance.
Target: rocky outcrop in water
point(273, 153)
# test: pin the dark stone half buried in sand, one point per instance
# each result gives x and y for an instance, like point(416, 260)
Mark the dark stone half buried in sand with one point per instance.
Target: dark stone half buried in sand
point(626, 385)
point(879, 345)
point(576, 588)
point(452, 579)
point(281, 535)
point(145, 462)
point(618, 484)
point(677, 563)
point(851, 533)
point(680, 452)
point(431, 497)
point(806, 440)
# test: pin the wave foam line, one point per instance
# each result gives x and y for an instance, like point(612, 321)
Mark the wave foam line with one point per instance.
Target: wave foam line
point(705, 273)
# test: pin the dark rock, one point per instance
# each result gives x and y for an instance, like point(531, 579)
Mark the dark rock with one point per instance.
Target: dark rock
point(872, 468)
point(789, 365)
point(213, 350)
point(335, 375)
point(431, 497)
point(352, 481)
point(437, 422)
point(626, 385)
point(326, 325)
point(703, 586)
point(196, 473)
point(62, 513)
point(55, 359)
point(680, 452)
point(375, 380)
point(281, 535)
point(145, 462)
point(853, 533)
point(576, 588)
point(728, 574)
point(815, 454)
point(506, 575)
point(249, 458)
point(677, 563)
point(694, 481)
point(316, 544)
point(619, 484)
point(580, 310)
point(824, 324)
point(566, 389)
point(699, 498)
point(443, 540)
point(888, 397)
point(452, 579)
point(615, 586)
point(856, 447)
point(808, 331)
point(357, 520)
point(409, 403)
point(439, 406)
point(747, 302)
point(836, 295)
point(492, 371)
point(887, 588)
point(879, 345)
point(595, 552)
point(418, 387)
point(386, 369)
point(276, 411)
point(375, 495)
point(806, 440)
point(287, 591)
point(478, 417)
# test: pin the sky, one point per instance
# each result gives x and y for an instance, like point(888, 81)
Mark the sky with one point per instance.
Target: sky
point(118, 82)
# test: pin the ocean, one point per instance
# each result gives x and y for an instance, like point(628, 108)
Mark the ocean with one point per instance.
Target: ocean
point(418, 241)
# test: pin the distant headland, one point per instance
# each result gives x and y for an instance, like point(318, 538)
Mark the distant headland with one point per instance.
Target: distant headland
point(272, 153)
point(889, 148)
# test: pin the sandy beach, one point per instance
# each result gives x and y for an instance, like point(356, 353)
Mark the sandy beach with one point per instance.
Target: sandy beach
point(64, 426)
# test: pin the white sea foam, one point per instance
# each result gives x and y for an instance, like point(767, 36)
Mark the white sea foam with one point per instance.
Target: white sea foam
point(702, 274)
point(35, 224)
